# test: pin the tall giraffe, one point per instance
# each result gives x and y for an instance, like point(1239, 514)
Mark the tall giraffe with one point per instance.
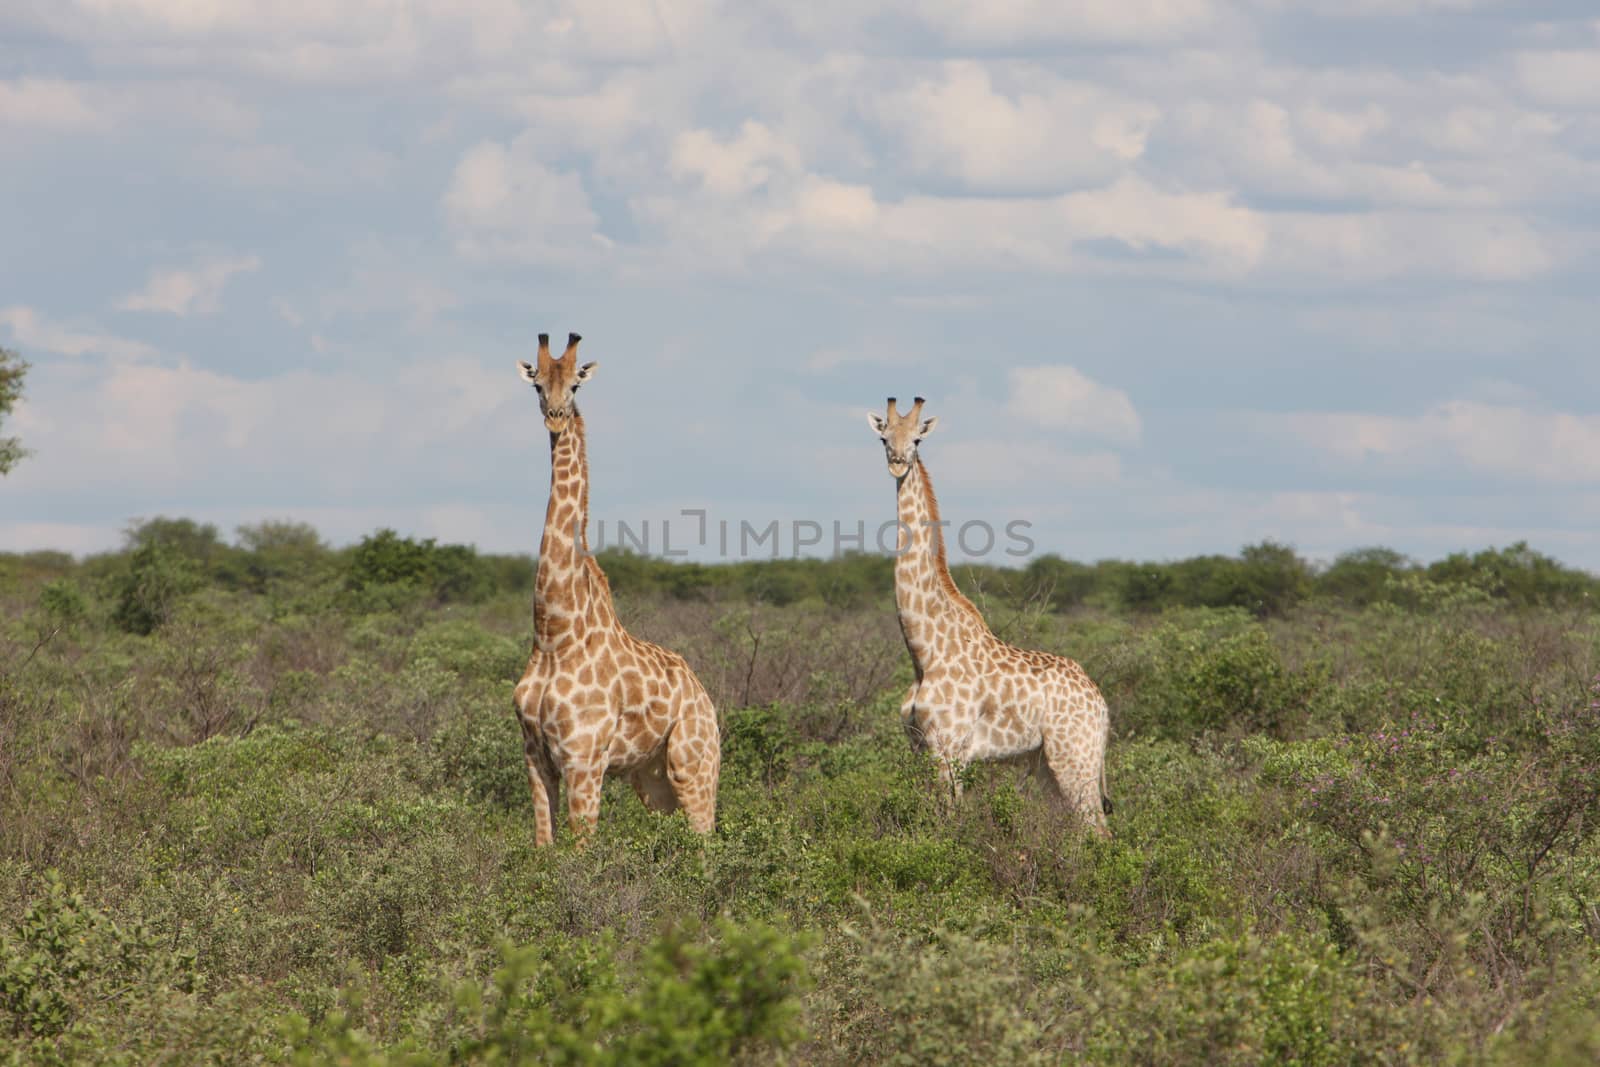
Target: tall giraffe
point(594, 699)
point(976, 697)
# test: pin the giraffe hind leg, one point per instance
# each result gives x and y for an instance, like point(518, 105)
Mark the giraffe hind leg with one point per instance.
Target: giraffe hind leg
point(1077, 779)
point(694, 760)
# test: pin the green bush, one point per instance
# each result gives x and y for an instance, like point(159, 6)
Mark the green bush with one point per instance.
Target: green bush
point(62, 965)
point(148, 588)
point(1242, 1001)
point(1203, 671)
point(942, 1000)
point(387, 570)
point(693, 1001)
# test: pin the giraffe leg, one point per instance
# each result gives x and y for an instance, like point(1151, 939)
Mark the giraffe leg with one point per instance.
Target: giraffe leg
point(933, 724)
point(543, 781)
point(546, 786)
point(1077, 773)
point(584, 782)
point(694, 760)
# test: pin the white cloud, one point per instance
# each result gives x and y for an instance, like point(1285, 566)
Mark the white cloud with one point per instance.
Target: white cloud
point(504, 204)
point(189, 432)
point(32, 330)
point(1047, 135)
point(1563, 78)
point(1031, 22)
point(47, 103)
point(1319, 150)
point(602, 121)
point(1499, 440)
point(1371, 247)
point(749, 196)
point(188, 292)
point(377, 41)
point(1372, 8)
point(969, 465)
point(1062, 397)
point(736, 167)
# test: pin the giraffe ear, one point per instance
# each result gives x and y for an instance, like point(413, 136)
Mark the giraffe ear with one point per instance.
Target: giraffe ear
point(927, 427)
point(879, 424)
point(528, 373)
point(586, 371)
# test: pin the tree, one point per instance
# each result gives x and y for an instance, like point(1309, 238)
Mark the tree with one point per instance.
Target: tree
point(12, 370)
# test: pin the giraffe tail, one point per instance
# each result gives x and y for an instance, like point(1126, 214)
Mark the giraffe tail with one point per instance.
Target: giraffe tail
point(1105, 797)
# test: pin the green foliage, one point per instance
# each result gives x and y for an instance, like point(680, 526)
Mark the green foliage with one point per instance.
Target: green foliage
point(1516, 574)
point(1355, 819)
point(1362, 576)
point(1495, 890)
point(12, 371)
point(147, 590)
point(1209, 670)
point(387, 569)
point(1247, 1000)
point(278, 552)
point(945, 1000)
point(63, 959)
point(63, 602)
point(695, 1000)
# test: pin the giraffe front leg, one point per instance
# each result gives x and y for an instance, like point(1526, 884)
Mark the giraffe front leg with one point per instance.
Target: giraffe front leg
point(543, 780)
point(584, 784)
point(933, 723)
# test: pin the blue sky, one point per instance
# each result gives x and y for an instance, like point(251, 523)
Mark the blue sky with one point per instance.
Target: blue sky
point(1175, 275)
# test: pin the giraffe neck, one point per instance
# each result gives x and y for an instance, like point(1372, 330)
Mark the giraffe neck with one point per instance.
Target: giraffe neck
point(931, 608)
point(570, 593)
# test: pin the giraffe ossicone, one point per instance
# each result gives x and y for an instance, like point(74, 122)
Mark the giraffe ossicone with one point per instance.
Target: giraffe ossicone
point(595, 700)
point(976, 697)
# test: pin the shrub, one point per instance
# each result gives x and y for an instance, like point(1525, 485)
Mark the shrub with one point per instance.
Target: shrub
point(1464, 848)
point(1244, 1000)
point(147, 588)
point(63, 960)
point(944, 1000)
point(1208, 671)
point(695, 1000)
point(386, 570)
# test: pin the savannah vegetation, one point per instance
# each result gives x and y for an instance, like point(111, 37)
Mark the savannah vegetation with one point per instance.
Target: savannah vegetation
point(262, 800)
point(12, 372)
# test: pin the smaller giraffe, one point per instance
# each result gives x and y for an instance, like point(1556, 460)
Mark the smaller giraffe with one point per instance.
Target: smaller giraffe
point(594, 699)
point(976, 697)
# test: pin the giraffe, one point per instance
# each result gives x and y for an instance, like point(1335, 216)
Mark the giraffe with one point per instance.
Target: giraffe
point(594, 699)
point(976, 697)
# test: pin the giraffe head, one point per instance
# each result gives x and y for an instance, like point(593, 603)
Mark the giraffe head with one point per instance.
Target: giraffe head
point(901, 434)
point(556, 381)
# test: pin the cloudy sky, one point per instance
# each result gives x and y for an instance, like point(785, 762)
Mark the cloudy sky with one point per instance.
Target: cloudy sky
point(1175, 275)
